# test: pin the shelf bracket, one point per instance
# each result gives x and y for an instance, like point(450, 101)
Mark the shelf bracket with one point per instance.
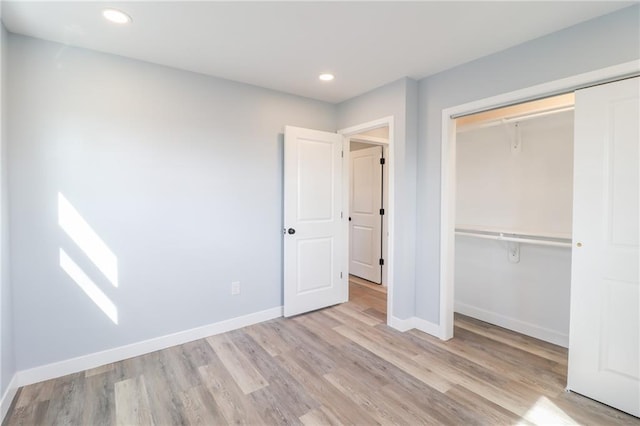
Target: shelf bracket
point(513, 251)
point(516, 142)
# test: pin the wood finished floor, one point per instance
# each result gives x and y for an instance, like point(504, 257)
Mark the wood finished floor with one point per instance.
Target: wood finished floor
point(340, 365)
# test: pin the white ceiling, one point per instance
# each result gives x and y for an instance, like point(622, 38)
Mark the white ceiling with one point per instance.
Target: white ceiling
point(285, 45)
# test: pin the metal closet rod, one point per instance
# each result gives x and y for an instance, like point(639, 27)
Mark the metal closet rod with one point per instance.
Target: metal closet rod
point(499, 236)
point(517, 119)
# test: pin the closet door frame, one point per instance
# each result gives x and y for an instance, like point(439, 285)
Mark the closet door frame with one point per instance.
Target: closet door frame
point(448, 165)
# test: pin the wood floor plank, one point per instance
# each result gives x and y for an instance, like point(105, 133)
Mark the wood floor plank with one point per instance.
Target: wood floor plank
point(536, 347)
point(321, 355)
point(368, 395)
point(163, 388)
point(338, 365)
point(324, 392)
point(347, 315)
point(281, 384)
point(405, 364)
point(322, 326)
point(132, 403)
point(66, 403)
point(320, 416)
point(233, 403)
point(99, 394)
point(200, 407)
point(245, 374)
point(99, 370)
point(36, 393)
point(486, 411)
point(268, 338)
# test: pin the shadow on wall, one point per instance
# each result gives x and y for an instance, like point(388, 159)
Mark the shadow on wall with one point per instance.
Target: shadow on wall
point(87, 240)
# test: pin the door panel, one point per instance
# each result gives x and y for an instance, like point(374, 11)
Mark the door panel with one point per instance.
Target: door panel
point(366, 223)
point(312, 209)
point(604, 347)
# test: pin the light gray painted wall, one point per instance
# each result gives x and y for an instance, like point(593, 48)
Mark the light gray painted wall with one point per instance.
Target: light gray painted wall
point(179, 174)
point(606, 41)
point(7, 363)
point(397, 99)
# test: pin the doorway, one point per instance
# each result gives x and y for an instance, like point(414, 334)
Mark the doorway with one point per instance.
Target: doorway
point(316, 207)
point(368, 250)
point(367, 176)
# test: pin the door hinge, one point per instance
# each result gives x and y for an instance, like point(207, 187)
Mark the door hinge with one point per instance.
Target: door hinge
point(341, 215)
point(382, 161)
point(381, 212)
point(342, 154)
point(340, 274)
point(381, 262)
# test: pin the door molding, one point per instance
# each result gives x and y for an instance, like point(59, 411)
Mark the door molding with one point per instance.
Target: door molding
point(448, 164)
point(347, 134)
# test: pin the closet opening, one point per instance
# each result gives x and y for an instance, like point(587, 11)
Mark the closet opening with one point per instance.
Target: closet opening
point(513, 222)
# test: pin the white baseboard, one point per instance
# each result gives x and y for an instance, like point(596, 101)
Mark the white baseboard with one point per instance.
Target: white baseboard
point(7, 398)
point(548, 335)
point(427, 327)
point(400, 324)
point(86, 362)
point(417, 323)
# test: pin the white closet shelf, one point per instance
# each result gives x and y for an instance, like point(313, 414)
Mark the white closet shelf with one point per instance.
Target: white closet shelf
point(542, 240)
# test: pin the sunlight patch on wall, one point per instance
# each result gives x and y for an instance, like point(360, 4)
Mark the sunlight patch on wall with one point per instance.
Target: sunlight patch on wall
point(87, 239)
point(88, 286)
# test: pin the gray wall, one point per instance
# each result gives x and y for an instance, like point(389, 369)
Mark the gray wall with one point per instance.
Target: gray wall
point(398, 99)
point(178, 173)
point(609, 40)
point(7, 364)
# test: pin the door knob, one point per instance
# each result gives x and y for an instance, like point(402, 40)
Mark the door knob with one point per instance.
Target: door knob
point(291, 231)
point(579, 245)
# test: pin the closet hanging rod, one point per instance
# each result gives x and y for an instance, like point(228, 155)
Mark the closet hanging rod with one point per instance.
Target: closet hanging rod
point(501, 237)
point(516, 118)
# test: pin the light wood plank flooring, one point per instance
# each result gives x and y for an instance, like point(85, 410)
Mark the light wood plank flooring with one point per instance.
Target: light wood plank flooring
point(340, 365)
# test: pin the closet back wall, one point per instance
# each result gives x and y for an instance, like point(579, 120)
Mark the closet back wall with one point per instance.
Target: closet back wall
point(179, 174)
point(526, 192)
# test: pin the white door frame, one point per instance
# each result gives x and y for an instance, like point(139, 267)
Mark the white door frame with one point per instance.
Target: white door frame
point(448, 165)
point(389, 144)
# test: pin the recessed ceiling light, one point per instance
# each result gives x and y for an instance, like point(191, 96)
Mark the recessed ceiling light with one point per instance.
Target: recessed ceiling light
point(116, 16)
point(326, 77)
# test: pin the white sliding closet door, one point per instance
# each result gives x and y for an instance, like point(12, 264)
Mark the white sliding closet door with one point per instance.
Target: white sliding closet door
point(604, 347)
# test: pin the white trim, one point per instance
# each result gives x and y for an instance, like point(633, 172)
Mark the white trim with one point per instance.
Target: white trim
point(427, 327)
point(417, 323)
point(86, 362)
point(7, 398)
point(448, 164)
point(548, 335)
point(370, 139)
point(400, 324)
point(390, 144)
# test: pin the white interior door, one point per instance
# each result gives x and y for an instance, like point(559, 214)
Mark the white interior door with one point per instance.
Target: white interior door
point(604, 344)
point(365, 227)
point(313, 239)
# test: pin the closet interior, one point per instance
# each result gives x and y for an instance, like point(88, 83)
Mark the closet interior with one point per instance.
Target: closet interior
point(514, 200)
